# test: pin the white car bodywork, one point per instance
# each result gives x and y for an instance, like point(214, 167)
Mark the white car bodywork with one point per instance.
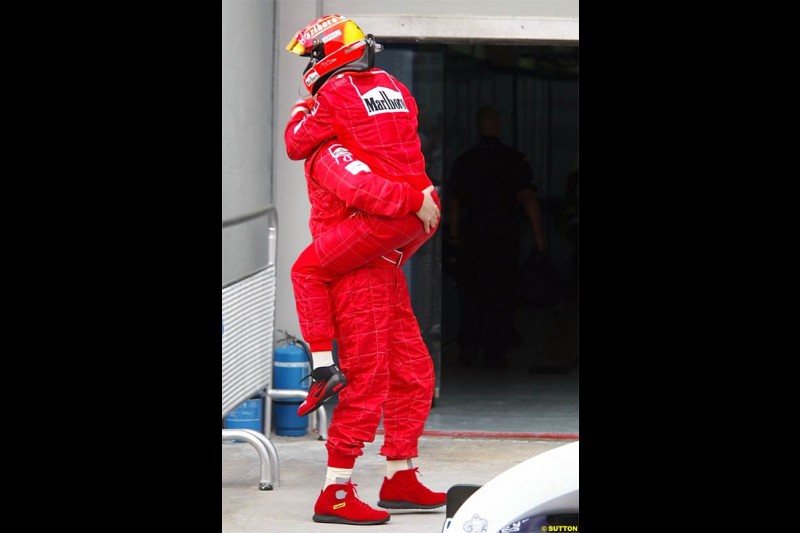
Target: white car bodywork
point(543, 485)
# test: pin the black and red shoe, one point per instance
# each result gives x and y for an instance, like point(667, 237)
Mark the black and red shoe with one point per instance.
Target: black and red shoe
point(326, 381)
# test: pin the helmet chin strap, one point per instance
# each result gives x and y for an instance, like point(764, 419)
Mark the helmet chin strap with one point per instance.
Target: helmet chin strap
point(376, 47)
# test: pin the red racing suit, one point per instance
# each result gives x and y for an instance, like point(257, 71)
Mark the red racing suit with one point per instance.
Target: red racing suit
point(372, 114)
point(375, 116)
point(349, 236)
point(380, 348)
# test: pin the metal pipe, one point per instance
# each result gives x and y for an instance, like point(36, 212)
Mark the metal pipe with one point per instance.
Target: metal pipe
point(300, 394)
point(270, 467)
point(287, 394)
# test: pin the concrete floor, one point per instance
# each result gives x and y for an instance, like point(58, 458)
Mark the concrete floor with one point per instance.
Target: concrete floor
point(512, 400)
point(443, 462)
point(505, 412)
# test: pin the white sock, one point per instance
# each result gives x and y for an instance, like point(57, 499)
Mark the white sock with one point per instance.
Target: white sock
point(337, 476)
point(393, 467)
point(322, 359)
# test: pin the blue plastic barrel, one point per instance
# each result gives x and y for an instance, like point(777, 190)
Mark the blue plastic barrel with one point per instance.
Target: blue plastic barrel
point(247, 415)
point(291, 370)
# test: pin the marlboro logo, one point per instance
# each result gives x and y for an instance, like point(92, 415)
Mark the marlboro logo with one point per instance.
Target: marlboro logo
point(320, 26)
point(383, 100)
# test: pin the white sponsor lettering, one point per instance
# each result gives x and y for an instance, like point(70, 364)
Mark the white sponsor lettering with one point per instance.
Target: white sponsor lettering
point(331, 35)
point(312, 77)
point(357, 166)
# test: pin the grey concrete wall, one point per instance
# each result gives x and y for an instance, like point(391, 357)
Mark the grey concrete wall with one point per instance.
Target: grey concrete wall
point(247, 129)
point(290, 183)
point(474, 8)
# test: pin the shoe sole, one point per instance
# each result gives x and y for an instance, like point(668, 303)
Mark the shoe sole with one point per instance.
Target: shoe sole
point(395, 504)
point(331, 519)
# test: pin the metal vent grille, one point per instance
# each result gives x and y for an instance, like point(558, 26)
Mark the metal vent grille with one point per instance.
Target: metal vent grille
point(248, 312)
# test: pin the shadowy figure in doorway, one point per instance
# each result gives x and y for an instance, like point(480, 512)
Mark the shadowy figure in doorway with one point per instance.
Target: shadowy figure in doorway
point(487, 186)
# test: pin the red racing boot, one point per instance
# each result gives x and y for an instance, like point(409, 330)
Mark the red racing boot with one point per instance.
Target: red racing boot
point(339, 504)
point(326, 381)
point(404, 491)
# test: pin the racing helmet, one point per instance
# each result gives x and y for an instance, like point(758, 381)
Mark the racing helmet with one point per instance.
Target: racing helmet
point(334, 43)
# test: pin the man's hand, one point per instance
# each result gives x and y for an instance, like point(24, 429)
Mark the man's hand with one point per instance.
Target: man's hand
point(303, 105)
point(429, 212)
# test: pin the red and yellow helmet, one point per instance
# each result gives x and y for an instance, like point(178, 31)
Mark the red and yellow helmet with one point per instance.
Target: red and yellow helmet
point(334, 43)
